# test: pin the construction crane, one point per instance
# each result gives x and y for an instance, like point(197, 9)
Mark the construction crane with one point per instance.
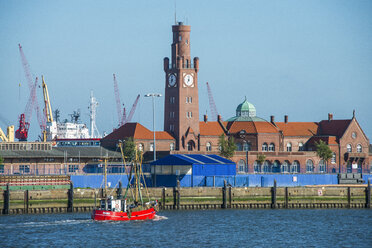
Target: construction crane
point(118, 104)
point(132, 110)
point(212, 104)
point(34, 103)
point(10, 134)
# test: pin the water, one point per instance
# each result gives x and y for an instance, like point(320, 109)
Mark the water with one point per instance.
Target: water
point(200, 228)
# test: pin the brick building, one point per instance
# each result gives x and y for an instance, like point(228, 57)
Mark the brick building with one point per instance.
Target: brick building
point(288, 147)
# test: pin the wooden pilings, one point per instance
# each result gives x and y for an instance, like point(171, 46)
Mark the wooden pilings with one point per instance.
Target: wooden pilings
point(6, 200)
point(273, 196)
point(224, 201)
point(70, 203)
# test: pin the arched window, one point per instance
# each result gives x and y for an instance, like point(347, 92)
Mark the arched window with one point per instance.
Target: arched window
point(300, 146)
point(140, 147)
point(289, 147)
point(264, 147)
point(238, 147)
point(359, 148)
point(285, 166)
point(247, 146)
point(208, 147)
point(190, 145)
point(272, 147)
point(256, 167)
point(266, 167)
point(322, 166)
point(348, 148)
point(151, 146)
point(295, 167)
point(309, 166)
point(276, 167)
point(333, 159)
point(241, 166)
point(171, 146)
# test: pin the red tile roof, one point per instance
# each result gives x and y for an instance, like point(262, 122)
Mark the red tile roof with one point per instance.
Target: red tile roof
point(252, 127)
point(137, 131)
point(298, 128)
point(334, 127)
point(210, 128)
point(329, 140)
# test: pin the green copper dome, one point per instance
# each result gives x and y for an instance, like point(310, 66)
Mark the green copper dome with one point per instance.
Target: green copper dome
point(245, 112)
point(246, 109)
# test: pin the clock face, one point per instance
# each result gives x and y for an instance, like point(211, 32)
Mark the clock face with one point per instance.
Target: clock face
point(172, 80)
point(188, 79)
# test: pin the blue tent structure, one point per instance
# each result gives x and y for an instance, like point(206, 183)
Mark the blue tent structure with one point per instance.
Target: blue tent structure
point(190, 169)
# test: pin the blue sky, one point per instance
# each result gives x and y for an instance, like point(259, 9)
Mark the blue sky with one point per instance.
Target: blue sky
point(303, 59)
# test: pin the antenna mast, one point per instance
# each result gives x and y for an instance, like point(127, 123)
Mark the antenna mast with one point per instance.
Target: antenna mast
point(93, 105)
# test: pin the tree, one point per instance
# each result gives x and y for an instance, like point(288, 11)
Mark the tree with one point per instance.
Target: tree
point(323, 151)
point(261, 158)
point(227, 147)
point(1, 160)
point(129, 149)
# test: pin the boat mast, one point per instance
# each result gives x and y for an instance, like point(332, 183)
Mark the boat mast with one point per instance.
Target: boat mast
point(105, 170)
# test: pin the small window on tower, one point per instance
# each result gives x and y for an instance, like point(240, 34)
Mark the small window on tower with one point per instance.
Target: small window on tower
point(187, 41)
point(180, 37)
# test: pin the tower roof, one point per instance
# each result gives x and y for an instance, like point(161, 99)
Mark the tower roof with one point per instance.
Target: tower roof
point(245, 111)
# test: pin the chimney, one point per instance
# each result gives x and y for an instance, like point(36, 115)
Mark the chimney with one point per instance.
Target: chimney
point(272, 119)
point(205, 118)
point(330, 117)
point(286, 119)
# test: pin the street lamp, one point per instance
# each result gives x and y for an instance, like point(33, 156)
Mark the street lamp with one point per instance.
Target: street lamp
point(153, 95)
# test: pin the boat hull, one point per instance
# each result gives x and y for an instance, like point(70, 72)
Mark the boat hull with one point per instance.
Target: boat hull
point(146, 214)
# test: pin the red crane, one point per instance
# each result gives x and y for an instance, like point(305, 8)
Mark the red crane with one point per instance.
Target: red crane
point(132, 110)
point(212, 104)
point(24, 119)
point(118, 104)
point(32, 102)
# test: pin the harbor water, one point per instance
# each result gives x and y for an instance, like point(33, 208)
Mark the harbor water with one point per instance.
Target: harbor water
point(199, 228)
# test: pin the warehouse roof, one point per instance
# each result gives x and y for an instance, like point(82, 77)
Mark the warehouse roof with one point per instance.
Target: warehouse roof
point(190, 159)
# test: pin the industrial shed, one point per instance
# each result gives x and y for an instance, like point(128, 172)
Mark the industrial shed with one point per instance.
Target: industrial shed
point(190, 169)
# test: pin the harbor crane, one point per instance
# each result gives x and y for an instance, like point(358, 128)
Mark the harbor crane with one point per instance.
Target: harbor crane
point(212, 104)
point(25, 118)
point(122, 116)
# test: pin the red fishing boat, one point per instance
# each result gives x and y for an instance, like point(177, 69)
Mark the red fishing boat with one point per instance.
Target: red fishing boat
point(122, 209)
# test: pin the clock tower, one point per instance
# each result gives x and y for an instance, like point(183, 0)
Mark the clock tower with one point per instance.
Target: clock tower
point(181, 106)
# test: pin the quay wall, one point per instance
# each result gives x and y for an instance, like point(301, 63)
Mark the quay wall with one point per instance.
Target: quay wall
point(61, 200)
point(246, 180)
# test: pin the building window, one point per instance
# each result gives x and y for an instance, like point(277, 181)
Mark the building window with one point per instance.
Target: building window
point(322, 166)
point(188, 99)
point(333, 159)
point(189, 114)
point(1, 169)
point(140, 147)
point(172, 99)
point(238, 146)
point(348, 148)
point(276, 167)
point(247, 146)
point(73, 168)
point(266, 167)
point(256, 167)
point(24, 169)
point(271, 147)
point(300, 146)
point(264, 147)
point(171, 114)
point(285, 166)
point(180, 37)
point(171, 146)
point(187, 63)
point(208, 147)
point(289, 147)
point(190, 145)
point(309, 166)
point(152, 147)
point(171, 127)
point(295, 167)
point(241, 166)
point(359, 148)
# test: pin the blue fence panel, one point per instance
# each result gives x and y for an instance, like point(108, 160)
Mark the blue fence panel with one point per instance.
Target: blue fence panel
point(96, 181)
point(366, 177)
